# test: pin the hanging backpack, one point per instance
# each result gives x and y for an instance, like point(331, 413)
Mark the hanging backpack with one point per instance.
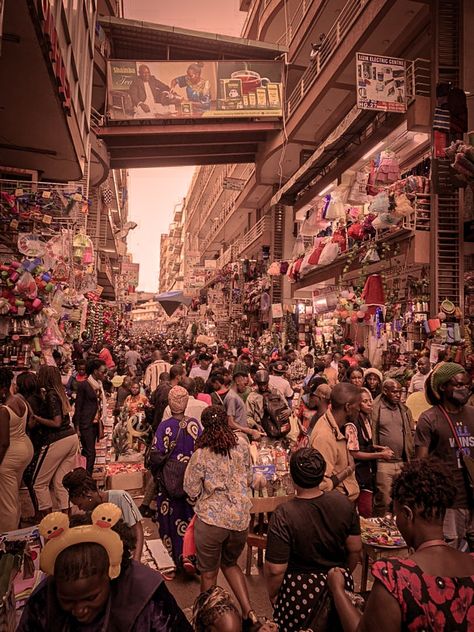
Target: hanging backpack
point(275, 420)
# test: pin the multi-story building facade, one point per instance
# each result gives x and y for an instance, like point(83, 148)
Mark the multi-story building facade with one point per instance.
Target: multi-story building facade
point(172, 257)
point(50, 118)
point(326, 138)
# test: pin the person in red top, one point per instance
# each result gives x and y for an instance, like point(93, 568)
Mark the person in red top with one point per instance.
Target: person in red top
point(349, 355)
point(106, 356)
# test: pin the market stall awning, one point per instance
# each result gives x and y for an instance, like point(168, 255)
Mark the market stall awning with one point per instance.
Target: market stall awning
point(134, 39)
point(171, 301)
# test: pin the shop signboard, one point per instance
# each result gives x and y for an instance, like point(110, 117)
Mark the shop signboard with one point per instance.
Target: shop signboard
point(188, 89)
point(277, 310)
point(381, 83)
point(233, 184)
point(131, 272)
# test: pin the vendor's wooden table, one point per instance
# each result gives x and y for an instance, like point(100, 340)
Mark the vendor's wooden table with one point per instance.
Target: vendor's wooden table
point(372, 553)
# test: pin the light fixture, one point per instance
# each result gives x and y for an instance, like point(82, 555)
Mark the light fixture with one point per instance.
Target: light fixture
point(420, 138)
point(327, 189)
point(373, 150)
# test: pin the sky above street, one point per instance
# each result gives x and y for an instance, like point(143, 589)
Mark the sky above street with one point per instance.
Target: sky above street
point(153, 193)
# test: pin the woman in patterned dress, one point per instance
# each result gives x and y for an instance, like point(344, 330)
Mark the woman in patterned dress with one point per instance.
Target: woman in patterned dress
point(174, 515)
point(433, 589)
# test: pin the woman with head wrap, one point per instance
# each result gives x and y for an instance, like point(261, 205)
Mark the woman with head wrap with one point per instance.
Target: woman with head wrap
point(176, 435)
point(218, 477)
point(308, 536)
point(442, 431)
point(373, 379)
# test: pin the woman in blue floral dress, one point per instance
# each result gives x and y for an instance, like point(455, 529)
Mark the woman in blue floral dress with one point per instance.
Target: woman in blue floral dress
point(174, 515)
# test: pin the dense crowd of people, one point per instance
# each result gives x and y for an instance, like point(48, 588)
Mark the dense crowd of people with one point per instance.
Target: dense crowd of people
point(354, 450)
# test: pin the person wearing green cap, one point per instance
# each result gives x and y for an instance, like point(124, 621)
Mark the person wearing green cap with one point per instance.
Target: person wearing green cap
point(447, 389)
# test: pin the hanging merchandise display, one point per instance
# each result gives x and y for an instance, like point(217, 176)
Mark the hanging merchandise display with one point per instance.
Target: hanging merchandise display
point(40, 307)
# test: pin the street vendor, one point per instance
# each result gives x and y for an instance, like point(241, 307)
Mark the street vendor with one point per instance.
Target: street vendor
point(83, 493)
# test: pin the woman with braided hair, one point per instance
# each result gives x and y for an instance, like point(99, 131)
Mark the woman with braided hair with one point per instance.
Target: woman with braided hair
point(218, 476)
point(307, 536)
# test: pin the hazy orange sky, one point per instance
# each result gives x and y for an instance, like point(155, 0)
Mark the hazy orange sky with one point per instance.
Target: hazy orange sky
point(154, 192)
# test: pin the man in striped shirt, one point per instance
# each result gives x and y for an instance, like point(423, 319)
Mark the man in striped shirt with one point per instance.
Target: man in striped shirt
point(154, 370)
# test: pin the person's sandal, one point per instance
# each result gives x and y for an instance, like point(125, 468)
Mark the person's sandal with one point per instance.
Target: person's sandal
point(251, 622)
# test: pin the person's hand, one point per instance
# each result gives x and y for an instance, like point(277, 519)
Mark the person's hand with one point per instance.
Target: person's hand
point(286, 414)
point(269, 626)
point(386, 454)
point(144, 107)
point(336, 581)
point(255, 435)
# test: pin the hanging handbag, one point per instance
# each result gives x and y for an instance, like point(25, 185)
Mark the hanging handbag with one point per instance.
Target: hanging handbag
point(467, 462)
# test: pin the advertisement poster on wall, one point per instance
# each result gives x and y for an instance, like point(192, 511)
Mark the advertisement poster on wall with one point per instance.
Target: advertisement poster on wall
point(381, 83)
point(144, 90)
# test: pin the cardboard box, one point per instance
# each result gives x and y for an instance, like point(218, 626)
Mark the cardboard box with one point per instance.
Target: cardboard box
point(125, 480)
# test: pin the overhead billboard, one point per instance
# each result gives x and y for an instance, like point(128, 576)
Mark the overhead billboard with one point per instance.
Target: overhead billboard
point(144, 90)
point(381, 83)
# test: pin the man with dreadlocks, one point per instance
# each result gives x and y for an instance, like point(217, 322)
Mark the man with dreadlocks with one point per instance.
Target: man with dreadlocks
point(218, 476)
point(443, 431)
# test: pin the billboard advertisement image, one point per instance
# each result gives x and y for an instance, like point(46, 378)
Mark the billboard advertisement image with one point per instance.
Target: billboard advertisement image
point(205, 89)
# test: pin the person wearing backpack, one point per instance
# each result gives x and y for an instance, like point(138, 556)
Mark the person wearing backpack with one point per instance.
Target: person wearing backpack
point(267, 409)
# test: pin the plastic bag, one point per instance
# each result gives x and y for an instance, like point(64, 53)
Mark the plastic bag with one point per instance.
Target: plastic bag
point(336, 208)
point(31, 245)
point(380, 203)
point(52, 336)
point(371, 256)
point(274, 269)
point(313, 258)
point(402, 205)
point(358, 192)
point(26, 286)
point(312, 224)
point(298, 248)
point(329, 253)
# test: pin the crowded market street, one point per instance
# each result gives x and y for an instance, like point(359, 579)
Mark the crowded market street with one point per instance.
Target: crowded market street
point(236, 316)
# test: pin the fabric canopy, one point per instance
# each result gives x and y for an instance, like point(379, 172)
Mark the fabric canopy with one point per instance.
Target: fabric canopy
point(170, 301)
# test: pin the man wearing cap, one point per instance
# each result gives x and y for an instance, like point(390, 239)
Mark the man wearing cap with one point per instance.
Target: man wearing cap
point(328, 438)
point(280, 383)
point(203, 369)
point(255, 401)
point(447, 389)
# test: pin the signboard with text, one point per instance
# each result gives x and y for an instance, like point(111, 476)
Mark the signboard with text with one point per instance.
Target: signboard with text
point(189, 89)
point(381, 83)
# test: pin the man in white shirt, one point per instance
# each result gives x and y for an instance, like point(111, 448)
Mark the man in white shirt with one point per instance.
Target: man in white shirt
point(203, 369)
point(417, 382)
point(194, 407)
point(154, 370)
point(280, 383)
point(149, 95)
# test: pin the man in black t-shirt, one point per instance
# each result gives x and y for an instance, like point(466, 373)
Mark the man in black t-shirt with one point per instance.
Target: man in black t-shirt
point(307, 536)
point(448, 388)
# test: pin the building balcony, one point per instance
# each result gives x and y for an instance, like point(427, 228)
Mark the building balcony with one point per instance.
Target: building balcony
point(326, 92)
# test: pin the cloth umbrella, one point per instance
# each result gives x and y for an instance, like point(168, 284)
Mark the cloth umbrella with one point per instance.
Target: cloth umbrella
point(170, 301)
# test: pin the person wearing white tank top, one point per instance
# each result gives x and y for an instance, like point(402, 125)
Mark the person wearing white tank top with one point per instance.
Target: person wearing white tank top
point(16, 452)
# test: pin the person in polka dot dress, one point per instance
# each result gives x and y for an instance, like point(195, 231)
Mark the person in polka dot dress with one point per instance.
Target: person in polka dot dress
point(307, 536)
